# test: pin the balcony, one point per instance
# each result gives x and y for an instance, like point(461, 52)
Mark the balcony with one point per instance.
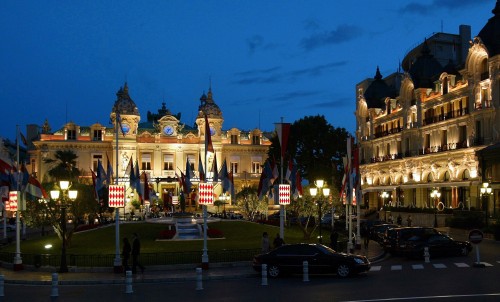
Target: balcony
point(443, 117)
point(388, 132)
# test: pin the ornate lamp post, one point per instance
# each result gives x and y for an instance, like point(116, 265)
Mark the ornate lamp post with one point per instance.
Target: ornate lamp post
point(319, 185)
point(225, 198)
point(435, 194)
point(485, 192)
point(64, 195)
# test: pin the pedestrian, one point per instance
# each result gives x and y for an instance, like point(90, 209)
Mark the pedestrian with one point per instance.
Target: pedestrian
point(265, 243)
point(334, 237)
point(278, 241)
point(136, 251)
point(409, 220)
point(400, 219)
point(127, 249)
point(391, 220)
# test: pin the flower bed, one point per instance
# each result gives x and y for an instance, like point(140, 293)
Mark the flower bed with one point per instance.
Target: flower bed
point(215, 233)
point(167, 234)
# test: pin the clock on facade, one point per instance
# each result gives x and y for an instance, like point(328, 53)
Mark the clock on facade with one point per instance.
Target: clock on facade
point(168, 130)
point(212, 131)
point(125, 128)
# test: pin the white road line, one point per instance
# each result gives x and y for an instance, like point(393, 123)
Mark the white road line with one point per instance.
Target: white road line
point(425, 297)
point(439, 265)
point(375, 268)
point(461, 264)
point(396, 267)
point(417, 266)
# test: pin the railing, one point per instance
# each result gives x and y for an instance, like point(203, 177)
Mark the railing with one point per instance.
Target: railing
point(107, 260)
point(442, 117)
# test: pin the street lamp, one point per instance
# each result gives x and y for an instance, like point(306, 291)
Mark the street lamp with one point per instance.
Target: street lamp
point(435, 194)
point(224, 198)
point(63, 198)
point(314, 191)
point(485, 191)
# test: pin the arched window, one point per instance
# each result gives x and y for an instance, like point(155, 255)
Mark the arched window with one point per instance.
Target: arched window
point(447, 176)
point(465, 175)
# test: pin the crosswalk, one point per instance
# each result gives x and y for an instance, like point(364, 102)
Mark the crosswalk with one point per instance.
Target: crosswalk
point(399, 267)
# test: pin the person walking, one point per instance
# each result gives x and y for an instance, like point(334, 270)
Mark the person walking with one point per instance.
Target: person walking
point(408, 220)
point(136, 251)
point(265, 243)
point(334, 238)
point(126, 250)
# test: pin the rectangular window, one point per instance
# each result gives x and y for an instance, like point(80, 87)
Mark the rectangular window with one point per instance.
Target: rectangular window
point(191, 160)
point(256, 167)
point(255, 140)
point(71, 134)
point(146, 161)
point(234, 139)
point(234, 167)
point(97, 135)
point(168, 162)
point(95, 160)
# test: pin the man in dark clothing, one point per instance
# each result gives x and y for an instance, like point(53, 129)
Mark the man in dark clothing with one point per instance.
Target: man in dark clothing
point(334, 237)
point(136, 250)
point(278, 241)
point(126, 253)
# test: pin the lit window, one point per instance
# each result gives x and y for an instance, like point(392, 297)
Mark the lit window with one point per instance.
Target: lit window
point(256, 140)
point(168, 162)
point(71, 134)
point(146, 161)
point(234, 167)
point(95, 160)
point(256, 167)
point(234, 139)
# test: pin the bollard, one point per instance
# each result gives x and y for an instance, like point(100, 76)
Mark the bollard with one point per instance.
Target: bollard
point(55, 282)
point(128, 282)
point(264, 274)
point(426, 254)
point(199, 279)
point(305, 265)
point(2, 279)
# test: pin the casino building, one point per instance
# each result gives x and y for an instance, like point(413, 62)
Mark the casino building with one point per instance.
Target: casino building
point(422, 129)
point(161, 146)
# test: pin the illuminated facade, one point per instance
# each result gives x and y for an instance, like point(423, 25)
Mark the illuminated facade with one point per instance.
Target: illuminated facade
point(420, 129)
point(161, 147)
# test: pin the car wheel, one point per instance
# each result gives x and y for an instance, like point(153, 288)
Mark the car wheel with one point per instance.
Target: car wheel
point(343, 270)
point(464, 251)
point(273, 271)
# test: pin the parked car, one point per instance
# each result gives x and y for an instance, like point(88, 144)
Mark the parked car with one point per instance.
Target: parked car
point(377, 232)
point(289, 258)
point(395, 238)
point(439, 245)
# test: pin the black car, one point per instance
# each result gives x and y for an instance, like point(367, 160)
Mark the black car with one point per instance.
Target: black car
point(439, 245)
point(289, 258)
point(395, 238)
point(377, 231)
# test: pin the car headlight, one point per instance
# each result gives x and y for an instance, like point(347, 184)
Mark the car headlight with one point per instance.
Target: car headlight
point(358, 261)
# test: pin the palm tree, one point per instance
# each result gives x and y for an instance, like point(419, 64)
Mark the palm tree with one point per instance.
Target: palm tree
point(63, 165)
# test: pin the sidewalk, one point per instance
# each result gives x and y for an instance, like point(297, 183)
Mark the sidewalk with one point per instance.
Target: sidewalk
point(152, 274)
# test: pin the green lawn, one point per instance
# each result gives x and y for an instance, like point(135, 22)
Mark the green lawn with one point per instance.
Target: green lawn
point(238, 235)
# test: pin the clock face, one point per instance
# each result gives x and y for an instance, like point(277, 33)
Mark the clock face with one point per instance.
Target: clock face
point(168, 130)
point(212, 131)
point(125, 128)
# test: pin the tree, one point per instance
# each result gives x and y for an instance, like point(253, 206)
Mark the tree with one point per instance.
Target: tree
point(248, 202)
point(63, 166)
point(317, 148)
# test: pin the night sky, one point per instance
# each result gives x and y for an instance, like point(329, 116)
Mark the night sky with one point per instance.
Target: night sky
point(65, 60)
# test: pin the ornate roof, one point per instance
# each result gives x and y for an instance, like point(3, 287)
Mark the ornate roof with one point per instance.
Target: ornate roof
point(426, 69)
point(377, 92)
point(124, 104)
point(490, 34)
point(208, 106)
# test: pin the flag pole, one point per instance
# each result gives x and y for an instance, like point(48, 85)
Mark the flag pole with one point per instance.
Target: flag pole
point(18, 261)
point(282, 207)
point(204, 257)
point(117, 263)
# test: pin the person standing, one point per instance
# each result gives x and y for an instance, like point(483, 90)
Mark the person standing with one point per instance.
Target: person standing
point(409, 220)
point(136, 251)
point(278, 241)
point(265, 243)
point(127, 249)
point(334, 237)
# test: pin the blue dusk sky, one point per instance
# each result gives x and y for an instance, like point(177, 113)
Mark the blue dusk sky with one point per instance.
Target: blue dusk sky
point(65, 60)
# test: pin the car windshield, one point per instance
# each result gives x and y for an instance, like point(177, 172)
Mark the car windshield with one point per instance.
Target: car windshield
point(325, 249)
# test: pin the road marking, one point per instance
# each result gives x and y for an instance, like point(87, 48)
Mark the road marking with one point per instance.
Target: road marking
point(375, 268)
point(461, 264)
point(424, 297)
point(487, 264)
point(439, 265)
point(396, 267)
point(417, 266)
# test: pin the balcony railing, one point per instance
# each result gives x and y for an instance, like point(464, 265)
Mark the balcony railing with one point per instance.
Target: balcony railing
point(442, 117)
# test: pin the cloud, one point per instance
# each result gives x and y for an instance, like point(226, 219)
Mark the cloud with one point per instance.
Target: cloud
point(254, 43)
point(273, 75)
point(341, 34)
point(429, 9)
point(295, 95)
